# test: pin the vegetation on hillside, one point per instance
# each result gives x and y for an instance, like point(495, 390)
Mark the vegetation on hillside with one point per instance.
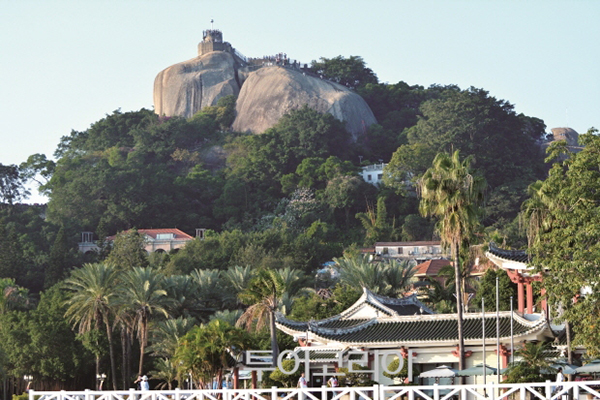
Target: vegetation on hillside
point(276, 206)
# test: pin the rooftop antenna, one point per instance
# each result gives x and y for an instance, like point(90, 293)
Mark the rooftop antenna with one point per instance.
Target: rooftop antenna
point(212, 21)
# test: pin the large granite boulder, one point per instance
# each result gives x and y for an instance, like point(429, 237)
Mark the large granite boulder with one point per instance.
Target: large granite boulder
point(185, 88)
point(271, 92)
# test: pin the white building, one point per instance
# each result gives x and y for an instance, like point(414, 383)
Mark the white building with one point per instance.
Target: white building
point(157, 240)
point(419, 251)
point(373, 174)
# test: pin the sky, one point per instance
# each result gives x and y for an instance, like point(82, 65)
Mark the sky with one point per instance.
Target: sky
point(67, 64)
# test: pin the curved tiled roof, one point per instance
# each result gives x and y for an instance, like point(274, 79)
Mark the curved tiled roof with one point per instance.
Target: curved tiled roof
point(428, 329)
point(512, 255)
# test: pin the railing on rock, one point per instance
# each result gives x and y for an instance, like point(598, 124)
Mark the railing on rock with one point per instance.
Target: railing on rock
point(581, 390)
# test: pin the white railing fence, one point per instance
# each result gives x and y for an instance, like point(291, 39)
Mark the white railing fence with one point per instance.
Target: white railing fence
point(582, 390)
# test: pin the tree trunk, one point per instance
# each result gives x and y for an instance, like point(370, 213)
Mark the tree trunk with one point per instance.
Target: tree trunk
point(129, 337)
point(459, 311)
point(143, 333)
point(113, 366)
point(124, 371)
point(274, 345)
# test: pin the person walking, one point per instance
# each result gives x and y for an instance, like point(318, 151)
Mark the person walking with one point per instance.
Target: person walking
point(302, 384)
point(144, 385)
point(333, 383)
point(560, 378)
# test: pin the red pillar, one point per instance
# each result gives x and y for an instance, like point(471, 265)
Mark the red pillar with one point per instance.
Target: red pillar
point(520, 297)
point(253, 374)
point(236, 378)
point(529, 298)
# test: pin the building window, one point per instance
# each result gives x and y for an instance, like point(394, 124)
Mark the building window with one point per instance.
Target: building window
point(400, 250)
point(165, 236)
point(379, 176)
point(87, 237)
point(385, 250)
point(369, 177)
point(416, 250)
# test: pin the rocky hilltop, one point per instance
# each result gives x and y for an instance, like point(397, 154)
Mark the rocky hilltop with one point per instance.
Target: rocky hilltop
point(266, 90)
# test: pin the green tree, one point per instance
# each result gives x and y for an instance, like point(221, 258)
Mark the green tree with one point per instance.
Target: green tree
point(565, 238)
point(452, 193)
point(388, 278)
point(12, 187)
point(12, 296)
point(91, 302)
point(351, 72)
point(502, 143)
point(58, 263)
point(376, 223)
point(143, 294)
point(487, 290)
point(128, 251)
point(534, 365)
point(205, 351)
point(262, 297)
point(40, 342)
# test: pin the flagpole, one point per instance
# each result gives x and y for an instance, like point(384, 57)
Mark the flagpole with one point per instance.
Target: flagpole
point(498, 328)
point(483, 335)
point(512, 338)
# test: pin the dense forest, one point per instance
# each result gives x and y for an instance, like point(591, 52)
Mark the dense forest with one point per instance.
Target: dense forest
point(287, 200)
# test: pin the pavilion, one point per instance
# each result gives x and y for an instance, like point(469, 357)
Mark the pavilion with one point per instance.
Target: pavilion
point(377, 323)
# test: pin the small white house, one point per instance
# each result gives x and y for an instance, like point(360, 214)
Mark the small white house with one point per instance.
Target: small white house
point(373, 174)
point(420, 251)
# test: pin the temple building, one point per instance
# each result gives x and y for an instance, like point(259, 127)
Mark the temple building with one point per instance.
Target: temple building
point(375, 324)
point(515, 263)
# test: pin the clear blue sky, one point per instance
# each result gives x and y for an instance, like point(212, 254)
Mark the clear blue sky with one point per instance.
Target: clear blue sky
point(65, 64)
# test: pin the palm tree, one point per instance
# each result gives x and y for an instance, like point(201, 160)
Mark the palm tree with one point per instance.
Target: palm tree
point(533, 365)
point(375, 222)
point(262, 295)
point(165, 371)
point(143, 294)
point(166, 335)
point(210, 289)
point(537, 218)
point(12, 296)
point(450, 192)
point(207, 350)
point(186, 293)
point(229, 316)
point(92, 302)
point(399, 276)
point(388, 278)
point(358, 272)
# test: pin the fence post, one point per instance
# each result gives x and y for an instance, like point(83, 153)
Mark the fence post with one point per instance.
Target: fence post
point(31, 394)
point(576, 391)
point(87, 394)
point(436, 392)
point(177, 393)
point(131, 394)
point(548, 390)
point(522, 392)
point(274, 395)
point(411, 394)
point(323, 392)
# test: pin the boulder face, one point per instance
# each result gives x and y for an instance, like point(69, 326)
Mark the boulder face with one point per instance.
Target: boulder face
point(266, 92)
point(271, 92)
point(567, 134)
point(185, 88)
